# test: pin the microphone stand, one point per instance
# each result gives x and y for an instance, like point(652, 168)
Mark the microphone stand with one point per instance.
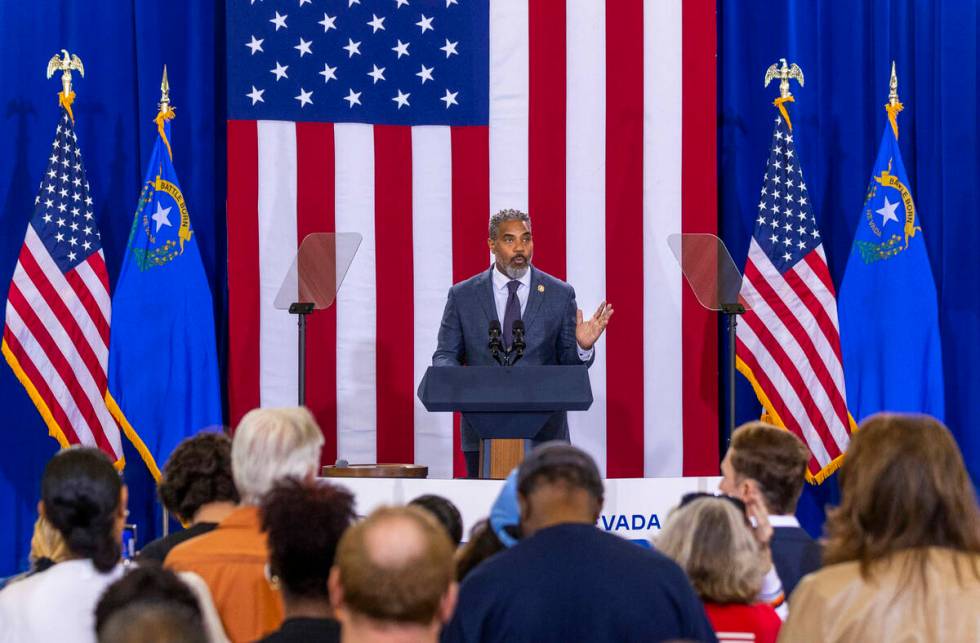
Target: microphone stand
point(496, 346)
point(517, 348)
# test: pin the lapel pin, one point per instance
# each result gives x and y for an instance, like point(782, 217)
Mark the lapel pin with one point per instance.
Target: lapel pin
point(540, 288)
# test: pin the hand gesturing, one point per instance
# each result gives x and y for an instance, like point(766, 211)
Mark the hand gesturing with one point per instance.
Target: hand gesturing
point(587, 332)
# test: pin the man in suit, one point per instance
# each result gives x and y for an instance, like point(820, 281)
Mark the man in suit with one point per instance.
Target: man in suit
point(774, 460)
point(512, 289)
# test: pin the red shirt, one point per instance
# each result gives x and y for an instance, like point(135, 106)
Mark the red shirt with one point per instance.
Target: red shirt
point(740, 623)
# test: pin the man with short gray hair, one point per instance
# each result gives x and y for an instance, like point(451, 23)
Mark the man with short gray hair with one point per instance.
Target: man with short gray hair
point(513, 290)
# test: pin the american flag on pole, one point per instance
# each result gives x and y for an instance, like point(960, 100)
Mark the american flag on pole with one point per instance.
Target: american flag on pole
point(56, 330)
point(788, 344)
point(410, 121)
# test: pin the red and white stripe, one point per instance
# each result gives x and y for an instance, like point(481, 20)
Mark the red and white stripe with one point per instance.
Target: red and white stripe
point(789, 344)
point(57, 333)
point(602, 126)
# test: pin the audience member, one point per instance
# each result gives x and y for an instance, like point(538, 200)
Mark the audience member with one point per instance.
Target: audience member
point(774, 460)
point(505, 514)
point(445, 512)
point(83, 497)
point(393, 577)
point(482, 544)
point(154, 623)
point(567, 580)
point(269, 444)
point(902, 553)
point(47, 549)
point(711, 538)
point(197, 487)
point(152, 585)
point(304, 521)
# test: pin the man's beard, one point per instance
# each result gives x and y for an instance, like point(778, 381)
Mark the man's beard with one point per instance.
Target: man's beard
point(512, 271)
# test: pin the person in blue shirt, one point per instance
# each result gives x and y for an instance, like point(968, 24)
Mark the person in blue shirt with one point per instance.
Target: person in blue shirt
point(566, 580)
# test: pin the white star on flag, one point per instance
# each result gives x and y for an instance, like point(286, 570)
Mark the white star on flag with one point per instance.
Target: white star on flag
point(279, 21)
point(255, 45)
point(305, 97)
point(450, 48)
point(425, 23)
point(450, 98)
point(376, 23)
point(354, 98)
point(887, 212)
point(377, 74)
point(161, 216)
point(401, 99)
point(353, 48)
point(401, 48)
point(425, 74)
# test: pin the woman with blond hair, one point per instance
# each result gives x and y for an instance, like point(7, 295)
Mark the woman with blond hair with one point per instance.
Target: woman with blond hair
point(902, 555)
point(726, 559)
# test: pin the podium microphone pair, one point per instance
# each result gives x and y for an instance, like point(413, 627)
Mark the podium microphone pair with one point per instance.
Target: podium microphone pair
point(502, 356)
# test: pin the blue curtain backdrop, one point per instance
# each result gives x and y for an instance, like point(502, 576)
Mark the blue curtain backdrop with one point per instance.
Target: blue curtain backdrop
point(845, 50)
point(123, 45)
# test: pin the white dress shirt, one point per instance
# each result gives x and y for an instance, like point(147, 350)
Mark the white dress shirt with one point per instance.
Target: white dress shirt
point(57, 604)
point(501, 294)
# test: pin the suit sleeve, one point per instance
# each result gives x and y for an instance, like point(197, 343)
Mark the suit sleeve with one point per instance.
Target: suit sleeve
point(450, 347)
point(568, 351)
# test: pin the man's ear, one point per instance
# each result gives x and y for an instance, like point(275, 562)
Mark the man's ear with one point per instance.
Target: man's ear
point(40, 509)
point(335, 589)
point(744, 488)
point(490, 244)
point(448, 603)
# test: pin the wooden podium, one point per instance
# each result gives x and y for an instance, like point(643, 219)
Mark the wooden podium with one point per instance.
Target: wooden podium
point(507, 406)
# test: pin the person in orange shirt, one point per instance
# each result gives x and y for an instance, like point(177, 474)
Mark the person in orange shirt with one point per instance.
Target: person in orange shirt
point(268, 445)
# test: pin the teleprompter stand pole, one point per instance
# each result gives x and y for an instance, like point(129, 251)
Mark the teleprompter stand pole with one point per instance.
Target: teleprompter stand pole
point(732, 311)
point(301, 310)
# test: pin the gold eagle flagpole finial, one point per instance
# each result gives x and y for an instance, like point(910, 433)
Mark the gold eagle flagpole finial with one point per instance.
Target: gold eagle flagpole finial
point(784, 73)
point(166, 112)
point(894, 106)
point(66, 63)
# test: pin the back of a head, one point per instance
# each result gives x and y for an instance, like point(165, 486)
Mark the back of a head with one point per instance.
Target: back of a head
point(445, 512)
point(271, 444)
point(903, 486)
point(81, 495)
point(559, 463)
point(153, 623)
point(773, 457)
point(395, 567)
point(198, 472)
point(305, 521)
point(710, 539)
point(144, 586)
point(482, 544)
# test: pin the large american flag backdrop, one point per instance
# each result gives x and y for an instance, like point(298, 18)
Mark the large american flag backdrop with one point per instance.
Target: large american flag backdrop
point(410, 121)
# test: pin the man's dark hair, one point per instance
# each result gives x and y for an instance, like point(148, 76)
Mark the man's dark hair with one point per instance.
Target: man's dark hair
point(153, 623)
point(304, 521)
point(198, 472)
point(558, 461)
point(445, 512)
point(506, 215)
point(80, 491)
point(773, 457)
point(142, 587)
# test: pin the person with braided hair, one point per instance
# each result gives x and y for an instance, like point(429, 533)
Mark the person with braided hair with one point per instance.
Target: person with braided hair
point(84, 498)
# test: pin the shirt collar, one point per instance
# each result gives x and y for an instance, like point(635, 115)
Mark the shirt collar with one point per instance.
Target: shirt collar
point(500, 280)
point(784, 521)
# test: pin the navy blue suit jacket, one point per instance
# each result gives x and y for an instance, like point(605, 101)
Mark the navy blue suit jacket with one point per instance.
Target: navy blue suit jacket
point(794, 555)
point(549, 332)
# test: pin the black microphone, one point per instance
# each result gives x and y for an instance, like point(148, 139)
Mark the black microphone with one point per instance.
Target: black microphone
point(496, 346)
point(517, 332)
